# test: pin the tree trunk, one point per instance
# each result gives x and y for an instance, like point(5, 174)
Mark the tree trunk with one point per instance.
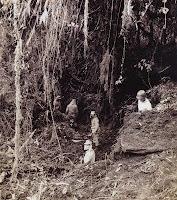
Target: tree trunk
point(18, 98)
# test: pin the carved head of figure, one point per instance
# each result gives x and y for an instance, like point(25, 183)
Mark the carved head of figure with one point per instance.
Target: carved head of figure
point(88, 145)
point(92, 114)
point(73, 101)
point(141, 95)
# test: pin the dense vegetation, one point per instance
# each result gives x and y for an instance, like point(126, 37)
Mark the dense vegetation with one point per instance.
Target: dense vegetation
point(97, 51)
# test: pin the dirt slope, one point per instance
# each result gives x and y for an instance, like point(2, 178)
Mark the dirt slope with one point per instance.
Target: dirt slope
point(133, 175)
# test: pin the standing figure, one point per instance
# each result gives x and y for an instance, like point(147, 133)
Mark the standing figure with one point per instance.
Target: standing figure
point(95, 127)
point(90, 153)
point(143, 102)
point(57, 103)
point(72, 112)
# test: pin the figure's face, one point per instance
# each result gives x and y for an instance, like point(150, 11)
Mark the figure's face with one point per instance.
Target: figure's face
point(73, 101)
point(141, 98)
point(91, 116)
point(87, 147)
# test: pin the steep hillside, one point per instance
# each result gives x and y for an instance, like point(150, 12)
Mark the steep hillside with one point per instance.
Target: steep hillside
point(143, 167)
point(99, 52)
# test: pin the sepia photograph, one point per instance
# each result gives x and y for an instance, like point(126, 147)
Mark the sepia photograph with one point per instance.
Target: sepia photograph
point(88, 99)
